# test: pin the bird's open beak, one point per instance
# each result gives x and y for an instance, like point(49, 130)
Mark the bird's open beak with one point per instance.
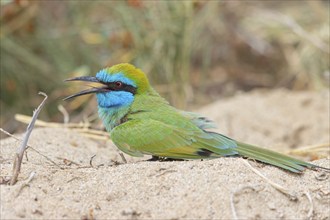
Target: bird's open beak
point(93, 79)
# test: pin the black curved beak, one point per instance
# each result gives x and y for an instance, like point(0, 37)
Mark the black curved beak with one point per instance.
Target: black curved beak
point(93, 79)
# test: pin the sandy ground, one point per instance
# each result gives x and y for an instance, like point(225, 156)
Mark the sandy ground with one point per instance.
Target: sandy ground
point(69, 185)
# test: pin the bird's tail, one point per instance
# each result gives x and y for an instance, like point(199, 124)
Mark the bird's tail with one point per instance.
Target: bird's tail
point(273, 158)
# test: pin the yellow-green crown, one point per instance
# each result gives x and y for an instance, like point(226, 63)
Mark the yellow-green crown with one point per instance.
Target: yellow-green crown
point(132, 73)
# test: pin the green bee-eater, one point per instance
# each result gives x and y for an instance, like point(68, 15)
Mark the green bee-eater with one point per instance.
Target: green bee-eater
point(141, 122)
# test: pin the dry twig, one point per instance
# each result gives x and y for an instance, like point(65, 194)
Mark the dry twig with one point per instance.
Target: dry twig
point(66, 117)
point(26, 119)
point(311, 210)
point(30, 147)
point(91, 160)
point(278, 187)
point(26, 183)
point(20, 152)
point(321, 150)
point(82, 128)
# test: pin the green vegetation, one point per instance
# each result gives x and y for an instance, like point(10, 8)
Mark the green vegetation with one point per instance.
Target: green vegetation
point(193, 51)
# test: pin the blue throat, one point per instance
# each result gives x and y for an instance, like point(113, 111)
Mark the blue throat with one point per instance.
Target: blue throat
point(113, 105)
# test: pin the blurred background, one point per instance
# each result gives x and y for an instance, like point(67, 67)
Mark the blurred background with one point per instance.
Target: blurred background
point(194, 52)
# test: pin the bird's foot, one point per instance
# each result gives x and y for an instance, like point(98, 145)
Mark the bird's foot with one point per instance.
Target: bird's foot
point(154, 158)
point(163, 159)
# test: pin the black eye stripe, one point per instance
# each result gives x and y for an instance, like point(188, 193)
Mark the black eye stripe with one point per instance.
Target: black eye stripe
point(123, 87)
point(129, 88)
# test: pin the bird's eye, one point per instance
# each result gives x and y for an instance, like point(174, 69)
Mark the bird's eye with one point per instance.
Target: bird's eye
point(118, 84)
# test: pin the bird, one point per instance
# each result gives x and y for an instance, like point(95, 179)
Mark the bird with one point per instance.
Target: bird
point(141, 122)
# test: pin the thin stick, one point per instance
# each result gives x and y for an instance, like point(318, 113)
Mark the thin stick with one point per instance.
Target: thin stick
point(91, 160)
point(316, 146)
point(93, 136)
point(25, 119)
point(316, 149)
point(30, 147)
point(311, 210)
point(79, 127)
point(65, 114)
point(20, 152)
point(91, 131)
point(26, 183)
point(275, 185)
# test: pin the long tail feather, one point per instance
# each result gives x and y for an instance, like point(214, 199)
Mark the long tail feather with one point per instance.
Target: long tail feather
point(274, 158)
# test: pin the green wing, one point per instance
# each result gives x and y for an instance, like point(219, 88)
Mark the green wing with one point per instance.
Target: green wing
point(153, 137)
point(200, 121)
